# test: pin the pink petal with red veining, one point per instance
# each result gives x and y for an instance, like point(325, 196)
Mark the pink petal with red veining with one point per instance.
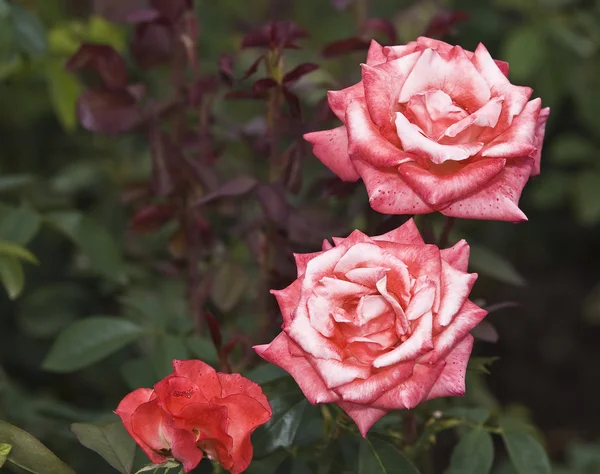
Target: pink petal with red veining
point(360, 255)
point(440, 46)
point(389, 193)
point(340, 100)
point(365, 141)
point(433, 111)
point(457, 255)
point(413, 391)
point(301, 331)
point(234, 384)
point(469, 128)
point(407, 233)
point(326, 245)
point(147, 424)
point(456, 287)
point(184, 449)
point(322, 265)
point(418, 343)
point(401, 320)
point(288, 299)
point(396, 52)
point(364, 416)
point(302, 260)
point(438, 190)
point(320, 312)
point(451, 382)
point(200, 374)
point(503, 66)
point(540, 131)
point(452, 73)
point(413, 141)
point(367, 391)
point(311, 384)
point(375, 54)
point(498, 200)
point(245, 415)
point(356, 237)
point(331, 147)
point(423, 297)
point(371, 307)
point(469, 316)
point(519, 140)
point(382, 86)
point(175, 392)
point(336, 373)
point(366, 276)
point(421, 260)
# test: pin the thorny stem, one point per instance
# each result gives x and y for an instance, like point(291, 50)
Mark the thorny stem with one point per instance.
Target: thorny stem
point(445, 235)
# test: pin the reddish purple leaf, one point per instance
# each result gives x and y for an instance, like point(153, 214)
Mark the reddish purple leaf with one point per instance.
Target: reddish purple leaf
point(254, 67)
point(102, 59)
point(205, 85)
point(151, 217)
point(118, 10)
point(273, 202)
point(299, 71)
point(152, 44)
point(274, 35)
point(145, 15)
point(485, 331)
point(244, 95)
point(108, 112)
point(444, 22)
point(170, 9)
point(226, 69)
point(385, 27)
point(236, 187)
point(263, 85)
point(345, 46)
point(163, 181)
point(292, 171)
point(293, 102)
point(215, 329)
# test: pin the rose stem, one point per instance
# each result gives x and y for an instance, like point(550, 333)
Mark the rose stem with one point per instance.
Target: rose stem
point(445, 234)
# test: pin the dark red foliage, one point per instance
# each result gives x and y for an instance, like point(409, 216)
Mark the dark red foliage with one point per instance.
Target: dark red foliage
point(118, 10)
point(345, 46)
point(171, 9)
point(293, 102)
point(443, 23)
point(153, 43)
point(215, 329)
point(298, 72)
point(263, 85)
point(102, 59)
point(166, 158)
point(108, 112)
point(204, 85)
point(253, 67)
point(275, 35)
point(383, 26)
point(238, 186)
point(226, 69)
point(151, 217)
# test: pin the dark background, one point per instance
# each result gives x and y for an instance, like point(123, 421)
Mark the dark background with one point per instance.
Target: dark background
point(548, 344)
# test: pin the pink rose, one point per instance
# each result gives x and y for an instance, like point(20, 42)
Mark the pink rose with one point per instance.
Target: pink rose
point(196, 410)
point(432, 127)
point(377, 324)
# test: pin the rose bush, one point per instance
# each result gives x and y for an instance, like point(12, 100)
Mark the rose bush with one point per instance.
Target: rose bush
point(196, 410)
point(377, 324)
point(432, 127)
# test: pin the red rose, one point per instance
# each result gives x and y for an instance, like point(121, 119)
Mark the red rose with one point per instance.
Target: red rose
point(196, 410)
point(432, 127)
point(377, 324)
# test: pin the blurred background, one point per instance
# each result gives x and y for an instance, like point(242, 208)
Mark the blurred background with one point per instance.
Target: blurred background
point(68, 195)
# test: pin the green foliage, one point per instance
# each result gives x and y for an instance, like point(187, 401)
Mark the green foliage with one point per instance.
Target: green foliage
point(474, 454)
point(380, 457)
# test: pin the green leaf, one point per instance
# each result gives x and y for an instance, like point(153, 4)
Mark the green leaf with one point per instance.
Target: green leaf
point(4, 452)
point(569, 148)
point(526, 453)
point(524, 50)
point(169, 347)
point(586, 189)
point(16, 251)
point(228, 286)
point(28, 31)
point(13, 182)
point(265, 373)
point(488, 263)
point(551, 190)
point(475, 415)
point(11, 274)
point(203, 348)
point(138, 373)
point(474, 454)
point(88, 341)
point(94, 240)
point(110, 440)
point(64, 90)
point(281, 429)
point(29, 454)
point(377, 456)
point(154, 467)
point(18, 224)
point(481, 364)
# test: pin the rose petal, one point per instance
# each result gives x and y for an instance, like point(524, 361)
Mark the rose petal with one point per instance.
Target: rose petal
point(469, 128)
point(407, 233)
point(175, 392)
point(540, 131)
point(401, 320)
point(147, 424)
point(499, 199)
point(302, 260)
point(423, 298)
point(331, 147)
point(311, 384)
point(451, 382)
point(389, 193)
point(457, 255)
point(451, 72)
point(455, 289)
point(200, 374)
point(375, 54)
point(234, 384)
point(336, 373)
point(413, 141)
point(288, 299)
point(365, 141)
point(364, 417)
point(439, 190)
point(360, 255)
point(418, 343)
point(366, 276)
point(340, 100)
point(184, 449)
